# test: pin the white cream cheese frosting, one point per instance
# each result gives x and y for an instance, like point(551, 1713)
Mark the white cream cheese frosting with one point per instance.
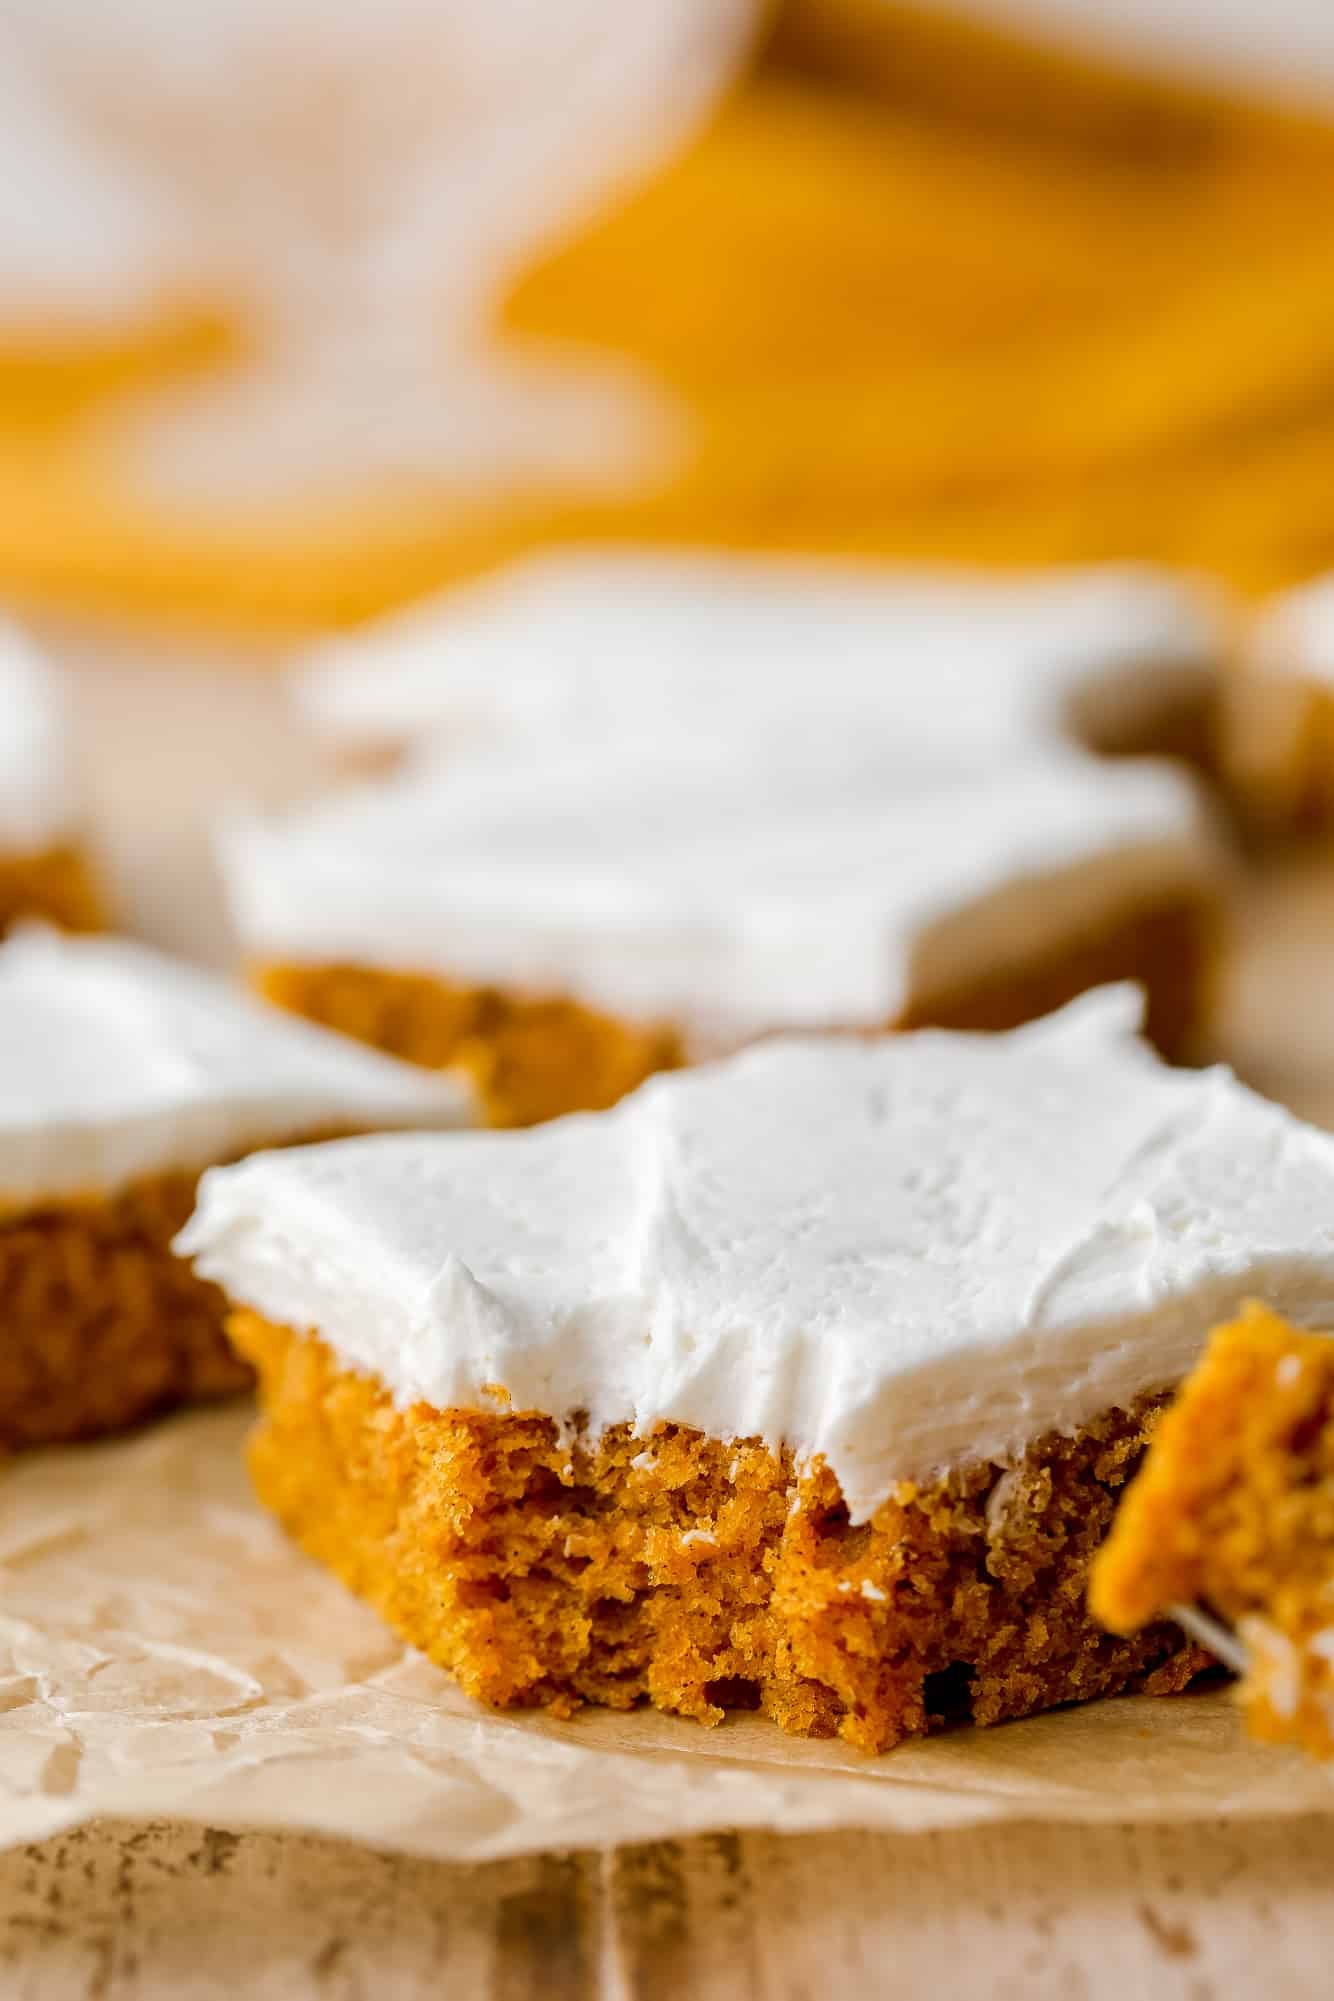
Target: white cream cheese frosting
point(812, 881)
point(116, 1063)
point(37, 806)
point(1294, 632)
point(602, 641)
point(903, 1253)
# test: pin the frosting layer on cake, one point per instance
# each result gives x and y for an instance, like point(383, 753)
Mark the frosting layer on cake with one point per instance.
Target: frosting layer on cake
point(116, 1062)
point(37, 808)
point(599, 641)
point(904, 1254)
point(806, 879)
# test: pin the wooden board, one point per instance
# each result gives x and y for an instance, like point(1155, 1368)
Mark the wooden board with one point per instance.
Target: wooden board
point(165, 1913)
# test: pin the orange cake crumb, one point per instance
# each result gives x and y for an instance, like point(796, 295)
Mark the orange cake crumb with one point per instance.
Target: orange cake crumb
point(1235, 1511)
point(530, 1058)
point(55, 884)
point(535, 1058)
point(700, 1575)
point(103, 1326)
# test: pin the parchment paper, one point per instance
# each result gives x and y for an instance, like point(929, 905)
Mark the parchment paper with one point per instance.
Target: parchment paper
point(164, 1651)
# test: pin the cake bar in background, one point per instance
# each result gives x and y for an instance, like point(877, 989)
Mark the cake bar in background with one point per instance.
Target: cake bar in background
point(564, 921)
point(122, 1075)
point(1277, 716)
point(44, 871)
point(606, 642)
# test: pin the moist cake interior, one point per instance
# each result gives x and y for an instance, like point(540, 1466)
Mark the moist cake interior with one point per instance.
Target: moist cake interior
point(698, 1574)
point(1235, 1512)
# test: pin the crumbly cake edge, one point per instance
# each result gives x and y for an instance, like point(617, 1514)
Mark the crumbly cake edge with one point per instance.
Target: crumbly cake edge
point(1234, 1511)
point(696, 1574)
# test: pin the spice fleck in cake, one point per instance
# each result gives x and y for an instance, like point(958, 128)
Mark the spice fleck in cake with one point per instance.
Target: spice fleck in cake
point(122, 1075)
point(806, 1381)
point(43, 869)
point(563, 924)
point(606, 642)
point(1234, 1513)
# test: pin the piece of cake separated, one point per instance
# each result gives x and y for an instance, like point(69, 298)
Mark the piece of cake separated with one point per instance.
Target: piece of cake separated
point(600, 642)
point(122, 1075)
point(44, 870)
point(565, 922)
point(1233, 1514)
point(805, 1381)
point(1276, 734)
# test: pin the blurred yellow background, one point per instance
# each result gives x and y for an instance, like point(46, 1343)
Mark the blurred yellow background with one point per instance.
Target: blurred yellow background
point(924, 292)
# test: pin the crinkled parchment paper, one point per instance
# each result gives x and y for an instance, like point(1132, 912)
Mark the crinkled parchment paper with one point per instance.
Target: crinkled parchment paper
point(164, 1651)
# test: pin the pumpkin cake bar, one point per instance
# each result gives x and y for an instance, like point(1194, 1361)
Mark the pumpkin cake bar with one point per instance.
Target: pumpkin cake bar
point(1277, 715)
point(1234, 1513)
point(604, 643)
point(565, 923)
point(44, 872)
point(806, 1381)
point(122, 1075)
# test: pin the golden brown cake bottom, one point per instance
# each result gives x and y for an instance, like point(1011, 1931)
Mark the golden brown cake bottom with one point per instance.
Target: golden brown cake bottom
point(699, 1575)
point(54, 884)
point(534, 1058)
point(1235, 1511)
point(100, 1325)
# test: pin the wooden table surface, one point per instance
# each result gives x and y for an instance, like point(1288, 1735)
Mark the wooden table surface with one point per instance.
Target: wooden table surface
point(165, 1913)
point(1163, 1914)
